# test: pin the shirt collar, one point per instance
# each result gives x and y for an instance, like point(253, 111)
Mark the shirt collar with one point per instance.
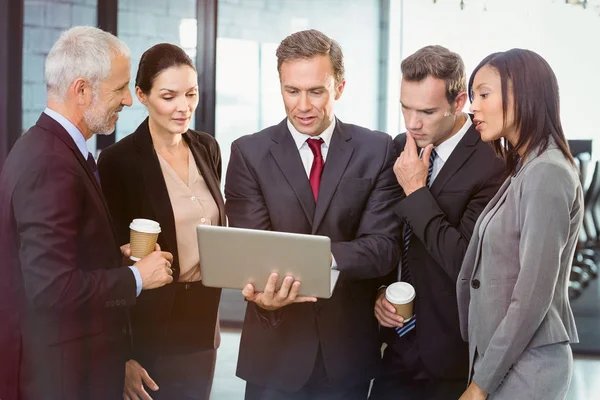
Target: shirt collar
point(447, 147)
point(71, 130)
point(300, 138)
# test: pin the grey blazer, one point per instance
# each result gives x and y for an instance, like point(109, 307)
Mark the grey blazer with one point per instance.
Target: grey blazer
point(512, 288)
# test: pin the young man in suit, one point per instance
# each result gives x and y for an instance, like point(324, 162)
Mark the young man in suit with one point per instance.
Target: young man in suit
point(447, 184)
point(314, 174)
point(64, 291)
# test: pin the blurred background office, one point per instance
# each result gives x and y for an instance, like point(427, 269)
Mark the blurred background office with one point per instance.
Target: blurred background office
point(233, 43)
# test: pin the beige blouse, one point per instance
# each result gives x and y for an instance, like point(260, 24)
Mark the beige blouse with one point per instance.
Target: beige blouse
point(192, 205)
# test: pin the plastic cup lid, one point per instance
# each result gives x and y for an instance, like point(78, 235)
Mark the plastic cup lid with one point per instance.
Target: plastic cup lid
point(145, 225)
point(400, 293)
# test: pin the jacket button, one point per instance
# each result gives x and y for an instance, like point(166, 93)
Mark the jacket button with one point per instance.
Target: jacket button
point(475, 284)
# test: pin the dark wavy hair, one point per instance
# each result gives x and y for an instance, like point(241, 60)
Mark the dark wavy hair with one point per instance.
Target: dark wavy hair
point(536, 103)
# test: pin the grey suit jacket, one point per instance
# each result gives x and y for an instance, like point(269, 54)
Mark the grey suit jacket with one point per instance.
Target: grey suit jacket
point(512, 289)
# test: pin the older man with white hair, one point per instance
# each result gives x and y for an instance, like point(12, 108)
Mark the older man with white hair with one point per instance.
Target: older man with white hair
point(64, 291)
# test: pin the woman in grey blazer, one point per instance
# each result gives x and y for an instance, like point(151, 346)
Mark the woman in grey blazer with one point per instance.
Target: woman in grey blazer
point(512, 290)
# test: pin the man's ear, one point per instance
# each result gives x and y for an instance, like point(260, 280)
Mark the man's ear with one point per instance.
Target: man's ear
point(82, 91)
point(339, 89)
point(459, 103)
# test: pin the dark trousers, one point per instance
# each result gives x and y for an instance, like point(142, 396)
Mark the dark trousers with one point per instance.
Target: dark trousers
point(90, 368)
point(403, 388)
point(184, 376)
point(182, 357)
point(318, 387)
point(404, 376)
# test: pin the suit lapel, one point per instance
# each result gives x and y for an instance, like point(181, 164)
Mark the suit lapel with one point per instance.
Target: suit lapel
point(288, 159)
point(494, 204)
point(57, 129)
point(338, 157)
point(473, 248)
point(200, 156)
point(154, 182)
point(457, 158)
point(481, 226)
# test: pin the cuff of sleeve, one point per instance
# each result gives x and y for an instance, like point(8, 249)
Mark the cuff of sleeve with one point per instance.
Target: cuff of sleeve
point(138, 280)
point(420, 203)
point(333, 262)
point(408, 203)
point(488, 383)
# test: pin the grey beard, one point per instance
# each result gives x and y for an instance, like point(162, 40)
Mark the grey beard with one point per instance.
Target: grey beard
point(98, 124)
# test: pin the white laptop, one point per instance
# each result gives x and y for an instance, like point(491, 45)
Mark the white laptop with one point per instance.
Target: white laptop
point(233, 257)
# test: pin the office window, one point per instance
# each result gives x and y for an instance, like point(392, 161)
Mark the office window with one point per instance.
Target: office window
point(249, 31)
point(144, 23)
point(44, 20)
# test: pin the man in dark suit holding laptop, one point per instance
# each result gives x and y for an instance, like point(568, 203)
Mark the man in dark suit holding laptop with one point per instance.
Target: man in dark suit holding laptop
point(64, 291)
point(447, 185)
point(314, 174)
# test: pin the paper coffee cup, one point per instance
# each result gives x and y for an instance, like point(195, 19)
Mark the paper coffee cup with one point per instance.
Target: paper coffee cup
point(142, 237)
point(401, 295)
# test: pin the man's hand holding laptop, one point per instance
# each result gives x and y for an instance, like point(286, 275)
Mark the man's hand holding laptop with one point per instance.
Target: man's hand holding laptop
point(272, 299)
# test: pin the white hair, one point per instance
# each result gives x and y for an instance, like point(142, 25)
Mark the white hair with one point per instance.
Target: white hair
point(81, 52)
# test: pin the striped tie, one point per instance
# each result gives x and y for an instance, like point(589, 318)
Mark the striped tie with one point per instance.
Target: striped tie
point(405, 271)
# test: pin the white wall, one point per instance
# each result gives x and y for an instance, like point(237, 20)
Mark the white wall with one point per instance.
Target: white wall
point(567, 36)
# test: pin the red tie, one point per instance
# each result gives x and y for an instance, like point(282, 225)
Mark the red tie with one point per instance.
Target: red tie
point(317, 166)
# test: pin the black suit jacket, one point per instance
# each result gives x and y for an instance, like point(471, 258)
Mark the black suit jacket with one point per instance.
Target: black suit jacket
point(267, 188)
point(442, 218)
point(63, 292)
point(133, 183)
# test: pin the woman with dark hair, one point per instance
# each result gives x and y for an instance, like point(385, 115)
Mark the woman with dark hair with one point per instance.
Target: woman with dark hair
point(512, 290)
point(169, 173)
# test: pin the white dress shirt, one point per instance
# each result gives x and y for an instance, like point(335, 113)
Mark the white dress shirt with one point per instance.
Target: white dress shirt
point(305, 152)
point(307, 155)
point(445, 149)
